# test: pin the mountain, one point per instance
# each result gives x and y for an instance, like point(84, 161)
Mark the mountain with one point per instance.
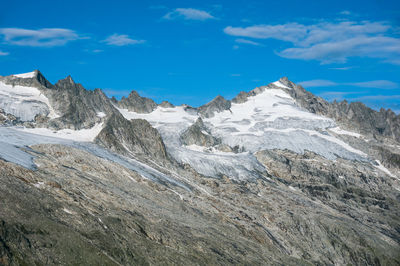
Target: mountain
point(275, 176)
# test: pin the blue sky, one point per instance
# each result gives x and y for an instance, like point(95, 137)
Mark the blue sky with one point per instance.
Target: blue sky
point(191, 51)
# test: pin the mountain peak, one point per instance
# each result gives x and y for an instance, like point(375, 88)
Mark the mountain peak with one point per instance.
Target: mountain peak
point(135, 102)
point(218, 104)
point(66, 82)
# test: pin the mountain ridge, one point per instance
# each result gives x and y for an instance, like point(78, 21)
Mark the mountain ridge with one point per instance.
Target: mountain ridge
point(274, 176)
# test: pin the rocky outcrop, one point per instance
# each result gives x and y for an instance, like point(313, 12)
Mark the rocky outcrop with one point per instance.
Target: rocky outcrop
point(198, 134)
point(135, 137)
point(166, 104)
point(218, 104)
point(135, 103)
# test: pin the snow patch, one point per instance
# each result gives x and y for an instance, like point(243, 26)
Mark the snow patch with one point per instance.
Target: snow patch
point(39, 184)
point(83, 135)
point(25, 75)
point(383, 169)
point(340, 131)
point(101, 114)
point(279, 84)
point(67, 211)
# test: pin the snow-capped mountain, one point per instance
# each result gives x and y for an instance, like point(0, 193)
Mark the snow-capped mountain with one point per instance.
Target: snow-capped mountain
point(278, 133)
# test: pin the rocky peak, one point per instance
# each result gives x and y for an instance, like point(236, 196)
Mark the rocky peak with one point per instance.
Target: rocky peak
point(136, 103)
point(66, 83)
point(42, 80)
point(30, 79)
point(218, 104)
point(166, 104)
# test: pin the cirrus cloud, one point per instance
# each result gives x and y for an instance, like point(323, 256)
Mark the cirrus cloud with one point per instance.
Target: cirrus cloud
point(378, 84)
point(46, 37)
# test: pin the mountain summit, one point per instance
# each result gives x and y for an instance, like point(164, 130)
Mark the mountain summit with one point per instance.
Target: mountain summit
point(276, 175)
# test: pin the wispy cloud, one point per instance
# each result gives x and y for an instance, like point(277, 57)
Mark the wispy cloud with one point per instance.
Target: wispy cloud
point(47, 37)
point(121, 40)
point(329, 42)
point(4, 53)
point(188, 14)
point(382, 84)
point(341, 68)
point(317, 83)
point(245, 41)
point(378, 84)
point(345, 12)
point(376, 97)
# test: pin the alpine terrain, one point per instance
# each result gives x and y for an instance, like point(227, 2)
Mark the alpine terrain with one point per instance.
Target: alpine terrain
point(274, 176)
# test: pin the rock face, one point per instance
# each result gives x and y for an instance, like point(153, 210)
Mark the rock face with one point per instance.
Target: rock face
point(136, 103)
point(136, 137)
point(218, 104)
point(198, 134)
point(79, 107)
point(310, 211)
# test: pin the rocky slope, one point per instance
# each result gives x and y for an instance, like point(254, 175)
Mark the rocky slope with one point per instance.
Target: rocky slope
point(277, 176)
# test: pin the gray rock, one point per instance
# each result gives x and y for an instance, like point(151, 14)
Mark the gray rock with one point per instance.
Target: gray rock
point(134, 102)
point(218, 104)
point(198, 134)
point(132, 138)
point(166, 104)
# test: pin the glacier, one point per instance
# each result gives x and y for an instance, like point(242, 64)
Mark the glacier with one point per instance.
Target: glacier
point(24, 102)
point(14, 147)
point(270, 119)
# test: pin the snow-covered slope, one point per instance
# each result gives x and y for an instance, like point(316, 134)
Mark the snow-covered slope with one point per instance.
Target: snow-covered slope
point(268, 120)
point(272, 120)
point(24, 102)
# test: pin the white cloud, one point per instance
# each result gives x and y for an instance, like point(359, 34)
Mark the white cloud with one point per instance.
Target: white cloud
point(329, 42)
point(288, 32)
point(47, 37)
point(381, 84)
point(248, 42)
point(121, 40)
point(188, 14)
point(378, 84)
point(4, 53)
